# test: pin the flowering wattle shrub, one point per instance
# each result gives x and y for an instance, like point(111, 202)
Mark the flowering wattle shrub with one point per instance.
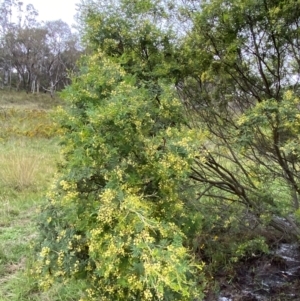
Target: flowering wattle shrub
point(118, 215)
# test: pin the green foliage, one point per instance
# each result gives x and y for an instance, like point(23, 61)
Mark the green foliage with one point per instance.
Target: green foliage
point(239, 83)
point(257, 124)
point(118, 215)
point(141, 171)
point(140, 39)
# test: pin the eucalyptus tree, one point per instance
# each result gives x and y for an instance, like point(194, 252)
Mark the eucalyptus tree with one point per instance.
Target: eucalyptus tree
point(60, 57)
point(6, 8)
point(19, 34)
point(26, 47)
point(35, 54)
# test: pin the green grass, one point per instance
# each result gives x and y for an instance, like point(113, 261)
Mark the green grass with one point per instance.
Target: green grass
point(29, 153)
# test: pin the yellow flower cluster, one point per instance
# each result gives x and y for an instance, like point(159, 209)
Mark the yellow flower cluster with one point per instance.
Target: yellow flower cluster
point(172, 162)
point(46, 282)
point(45, 252)
point(60, 259)
point(144, 236)
point(107, 195)
point(65, 185)
point(70, 196)
point(242, 120)
point(61, 235)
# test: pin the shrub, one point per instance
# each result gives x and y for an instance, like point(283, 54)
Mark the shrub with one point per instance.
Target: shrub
point(118, 216)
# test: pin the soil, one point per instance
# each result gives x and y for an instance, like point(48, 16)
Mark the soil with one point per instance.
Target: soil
point(272, 277)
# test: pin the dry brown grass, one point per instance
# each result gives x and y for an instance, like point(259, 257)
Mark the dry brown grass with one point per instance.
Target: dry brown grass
point(19, 168)
point(22, 100)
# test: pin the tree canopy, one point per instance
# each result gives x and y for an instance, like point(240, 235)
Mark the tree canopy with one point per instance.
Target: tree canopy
point(35, 56)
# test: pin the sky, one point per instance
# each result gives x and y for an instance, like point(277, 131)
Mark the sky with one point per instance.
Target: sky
point(50, 10)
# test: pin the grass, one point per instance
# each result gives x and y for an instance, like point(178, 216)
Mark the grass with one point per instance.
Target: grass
point(19, 168)
point(22, 100)
point(28, 156)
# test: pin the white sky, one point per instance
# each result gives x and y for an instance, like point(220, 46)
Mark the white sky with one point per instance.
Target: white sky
point(50, 10)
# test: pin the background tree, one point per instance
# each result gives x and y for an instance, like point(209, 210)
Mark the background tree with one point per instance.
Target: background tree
point(6, 8)
point(35, 54)
point(26, 48)
point(61, 57)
